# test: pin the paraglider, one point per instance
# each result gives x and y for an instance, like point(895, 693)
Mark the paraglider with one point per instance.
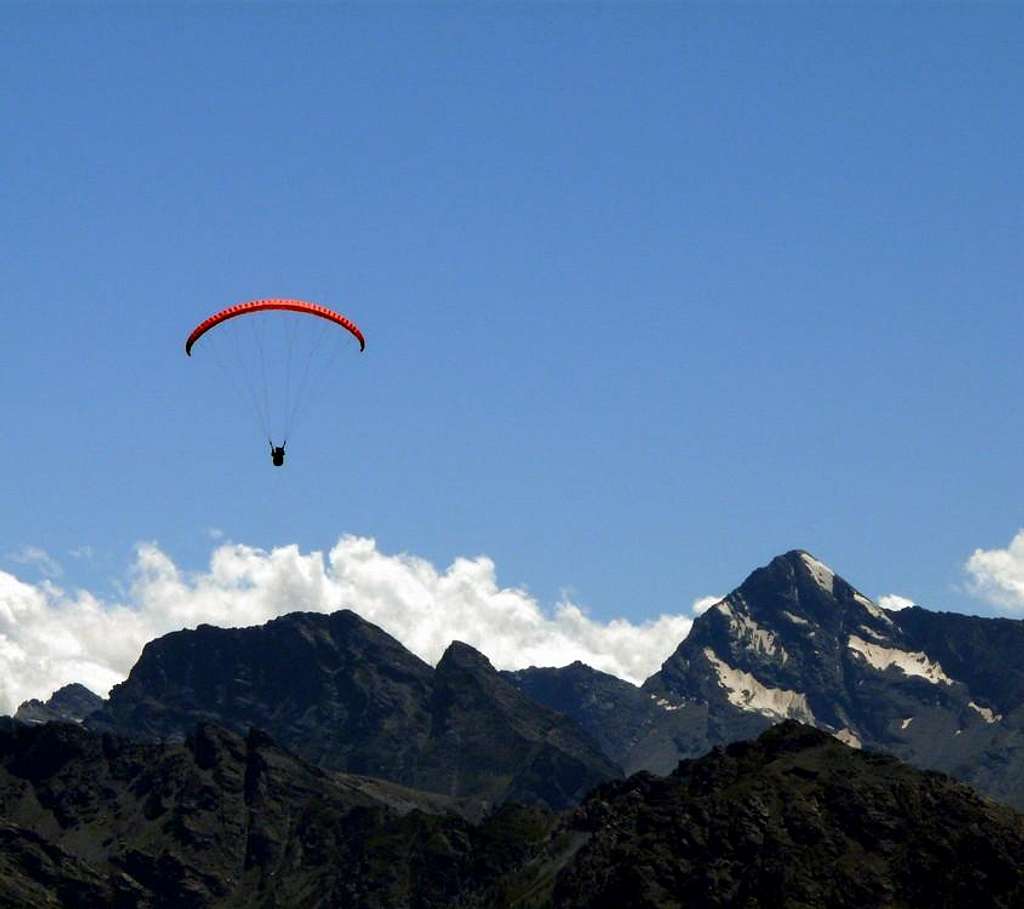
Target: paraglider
point(279, 353)
point(253, 306)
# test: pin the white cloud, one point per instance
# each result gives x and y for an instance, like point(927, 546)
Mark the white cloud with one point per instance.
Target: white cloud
point(47, 565)
point(894, 602)
point(703, 604)
point(997, 575)
point(49, 637)
point(81, 552)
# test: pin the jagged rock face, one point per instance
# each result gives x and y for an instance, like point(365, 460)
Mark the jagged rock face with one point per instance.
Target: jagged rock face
point(219, 820)
point(796, 641)
point(36, 873)
point(778, 645)
point(794, 819)
point(986, 655)
point(341, 691)
point(70, 704)
point(489, 738)
point(345, 695)
point(769, 651)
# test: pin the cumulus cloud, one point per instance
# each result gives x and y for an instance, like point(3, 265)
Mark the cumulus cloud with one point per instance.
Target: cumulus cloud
point(39, 558)
point(49, 637)
point(703, 604)
point(997, 575)
point(894, 602)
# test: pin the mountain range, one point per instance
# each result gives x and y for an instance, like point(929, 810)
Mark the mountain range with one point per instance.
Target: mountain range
point(480, 787)
point(794, 819)
point(346, 696)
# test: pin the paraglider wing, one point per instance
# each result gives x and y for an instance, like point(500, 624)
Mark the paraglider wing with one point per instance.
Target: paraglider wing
point(301, 306)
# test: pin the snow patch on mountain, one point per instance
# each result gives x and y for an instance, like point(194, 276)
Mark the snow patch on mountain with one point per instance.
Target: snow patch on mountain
point(849, 737)
point(747, 693)
point(871, 633)
point(795, 619)
point(747, 632)
point(664, 704)
point(911, 663)
point(823, 576)
point(989, 716)
point(906, 722)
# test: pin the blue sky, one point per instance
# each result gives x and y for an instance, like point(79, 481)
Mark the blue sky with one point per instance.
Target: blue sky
point(651, 292)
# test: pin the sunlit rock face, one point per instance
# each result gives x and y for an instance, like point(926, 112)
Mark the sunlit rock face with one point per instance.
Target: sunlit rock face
point(778, 645)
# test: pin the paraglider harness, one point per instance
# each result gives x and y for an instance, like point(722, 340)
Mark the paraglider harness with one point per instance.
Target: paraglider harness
point(277, 454)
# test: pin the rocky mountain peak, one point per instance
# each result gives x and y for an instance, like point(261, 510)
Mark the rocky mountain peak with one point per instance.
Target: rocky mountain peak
point(777, 645)
point(70, 704)
point(797, 641)
point(462, 657)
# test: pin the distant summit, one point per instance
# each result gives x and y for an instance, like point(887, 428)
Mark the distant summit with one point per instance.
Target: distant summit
point(70, 704)
point(795, 641)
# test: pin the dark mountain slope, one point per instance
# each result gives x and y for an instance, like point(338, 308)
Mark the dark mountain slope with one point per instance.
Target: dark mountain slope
point(224, 821)
point(985, 654)
point(35, 873)
point(337, 689)
point(489, 739)
point(636, 729)
point(793, 819)
point(345, 695)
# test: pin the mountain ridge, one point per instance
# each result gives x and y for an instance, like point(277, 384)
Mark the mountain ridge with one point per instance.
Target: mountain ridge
point(347, 696)
point(221, 820)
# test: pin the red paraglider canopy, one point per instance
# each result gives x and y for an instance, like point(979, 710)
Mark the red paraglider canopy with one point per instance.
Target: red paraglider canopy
point(313, 309)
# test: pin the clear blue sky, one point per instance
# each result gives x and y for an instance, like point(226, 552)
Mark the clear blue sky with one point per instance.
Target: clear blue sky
point(651, 292)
